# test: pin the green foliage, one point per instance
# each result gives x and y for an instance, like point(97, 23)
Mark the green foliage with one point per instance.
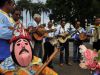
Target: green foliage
point(71, 9)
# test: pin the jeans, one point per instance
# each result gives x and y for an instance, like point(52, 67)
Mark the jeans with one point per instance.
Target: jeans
point(38, 50)
point(76, 53)
point(64, 50)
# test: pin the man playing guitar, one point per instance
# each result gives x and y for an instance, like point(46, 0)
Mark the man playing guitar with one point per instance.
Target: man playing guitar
point(61, 29)
point(48, 47)
point(33, 29)
point(79, 37)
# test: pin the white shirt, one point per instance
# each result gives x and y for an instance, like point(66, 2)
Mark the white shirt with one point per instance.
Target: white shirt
point(33, 23)
point(51, 34)
point(65, 29)
point(70, 27)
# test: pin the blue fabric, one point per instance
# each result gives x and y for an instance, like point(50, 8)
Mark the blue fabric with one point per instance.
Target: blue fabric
point(38, 49)
point(5, 33)
point(75, 52)
point(4, 49)
point(95, 73)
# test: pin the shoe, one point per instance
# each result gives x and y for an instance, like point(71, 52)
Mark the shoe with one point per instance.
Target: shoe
point(61, 64)
point(69, 64)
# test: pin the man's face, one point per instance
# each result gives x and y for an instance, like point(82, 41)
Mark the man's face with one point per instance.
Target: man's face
point(97, 21)
point(23, 52)
point(50, 24)
point(63, 23)
point(77, 24)
point(38, 19)
point(16, 15)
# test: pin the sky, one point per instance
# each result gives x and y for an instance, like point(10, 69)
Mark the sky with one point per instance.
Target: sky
point(39, 0)
point(36, 1)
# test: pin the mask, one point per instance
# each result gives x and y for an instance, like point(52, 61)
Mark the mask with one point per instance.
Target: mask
point(22, 52)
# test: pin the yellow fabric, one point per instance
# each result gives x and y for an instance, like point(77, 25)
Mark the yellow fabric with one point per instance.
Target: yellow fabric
point(9, 18)
point(35, 66)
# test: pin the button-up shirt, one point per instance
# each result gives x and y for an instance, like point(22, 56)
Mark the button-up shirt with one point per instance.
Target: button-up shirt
point(5, 23)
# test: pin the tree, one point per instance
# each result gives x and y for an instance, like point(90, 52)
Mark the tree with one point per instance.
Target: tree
point(60, 9)
point(32, 7)
point(71, 9)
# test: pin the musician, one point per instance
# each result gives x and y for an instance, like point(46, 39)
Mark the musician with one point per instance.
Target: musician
point(62, 28)
point(96, 34)
point(5, 23)
point(77, 41)
point(16, 14)
point(48, 47)
point(36, 28)
point(22, 60)
point(36, 21)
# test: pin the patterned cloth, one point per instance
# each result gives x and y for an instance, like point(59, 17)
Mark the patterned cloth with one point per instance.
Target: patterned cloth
point(8, 67)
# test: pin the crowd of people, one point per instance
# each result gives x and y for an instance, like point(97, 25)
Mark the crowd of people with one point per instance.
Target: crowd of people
point(39, 41)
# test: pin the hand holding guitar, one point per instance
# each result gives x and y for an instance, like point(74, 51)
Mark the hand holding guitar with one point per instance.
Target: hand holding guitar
point(41, 32)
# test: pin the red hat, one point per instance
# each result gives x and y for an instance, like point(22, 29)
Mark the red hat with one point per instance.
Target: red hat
point(20, 33)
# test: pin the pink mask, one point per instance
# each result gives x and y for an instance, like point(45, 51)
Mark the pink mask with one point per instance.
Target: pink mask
point(23, 52)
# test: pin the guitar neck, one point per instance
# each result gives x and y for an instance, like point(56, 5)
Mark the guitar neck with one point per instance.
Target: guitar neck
point(51, 30)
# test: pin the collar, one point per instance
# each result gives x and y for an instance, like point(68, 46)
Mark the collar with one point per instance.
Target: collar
point(3, 12)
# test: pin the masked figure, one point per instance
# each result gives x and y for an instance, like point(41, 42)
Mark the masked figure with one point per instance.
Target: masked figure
point(22, 60)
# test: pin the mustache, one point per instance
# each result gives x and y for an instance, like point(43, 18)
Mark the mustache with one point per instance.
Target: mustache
point(23, 50)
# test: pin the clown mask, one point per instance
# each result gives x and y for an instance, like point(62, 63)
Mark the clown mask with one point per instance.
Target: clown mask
point(21, 52)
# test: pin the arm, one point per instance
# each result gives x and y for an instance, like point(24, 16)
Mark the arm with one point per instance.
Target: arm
point(5, 33)
point(5, 23)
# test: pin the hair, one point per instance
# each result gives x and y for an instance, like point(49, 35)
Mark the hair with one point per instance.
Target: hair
point(36, 15)
point(2, 2)
point(16, 9)
point(62, 21)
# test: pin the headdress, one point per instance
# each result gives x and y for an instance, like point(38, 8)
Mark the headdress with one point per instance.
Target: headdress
point(20, 33)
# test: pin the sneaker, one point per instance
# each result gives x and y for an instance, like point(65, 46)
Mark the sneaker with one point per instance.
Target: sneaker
point(69, 64)
point(61, 64)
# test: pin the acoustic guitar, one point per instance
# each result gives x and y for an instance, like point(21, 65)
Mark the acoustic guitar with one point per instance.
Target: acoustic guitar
point(82, 36)
point(53, 40)
point(62, 38)
point(41, 33)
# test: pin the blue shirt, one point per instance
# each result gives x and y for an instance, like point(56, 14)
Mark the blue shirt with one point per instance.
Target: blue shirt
point(5, 22)
point(5, 34)
point(80, 30)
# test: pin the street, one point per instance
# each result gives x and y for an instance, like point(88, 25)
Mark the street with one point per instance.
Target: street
point(70, 70)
